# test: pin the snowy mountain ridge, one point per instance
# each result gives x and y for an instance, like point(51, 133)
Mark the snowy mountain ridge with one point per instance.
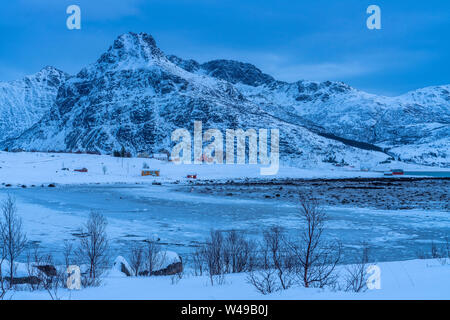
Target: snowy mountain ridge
point(24, 102)
point(135, 96)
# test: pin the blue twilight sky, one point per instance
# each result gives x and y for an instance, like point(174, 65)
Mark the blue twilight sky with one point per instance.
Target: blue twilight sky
point(291, 40)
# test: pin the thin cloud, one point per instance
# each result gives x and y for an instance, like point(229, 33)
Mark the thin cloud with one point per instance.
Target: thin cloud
point(320, 71)
point(290, 68)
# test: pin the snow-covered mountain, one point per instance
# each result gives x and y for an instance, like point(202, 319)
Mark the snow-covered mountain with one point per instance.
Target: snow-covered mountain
point(135, 96)
point(24, 102)
point(416, 118)
point(414, 126)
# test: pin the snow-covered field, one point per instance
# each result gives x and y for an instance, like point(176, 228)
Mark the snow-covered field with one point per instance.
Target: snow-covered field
point(26, 168)
point(414, 279)
point(137, 209)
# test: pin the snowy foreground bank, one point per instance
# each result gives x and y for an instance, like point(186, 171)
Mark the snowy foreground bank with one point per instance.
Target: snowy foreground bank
point(34, 168)
point(414, 279)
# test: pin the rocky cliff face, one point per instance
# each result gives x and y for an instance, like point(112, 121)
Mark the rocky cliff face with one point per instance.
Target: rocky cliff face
point(24, 102)
point(414, 126)
point(135, 96)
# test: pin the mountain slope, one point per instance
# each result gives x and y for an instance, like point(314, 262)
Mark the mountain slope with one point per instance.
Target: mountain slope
point(24, 102)
point(335, 109)
point(135, 96)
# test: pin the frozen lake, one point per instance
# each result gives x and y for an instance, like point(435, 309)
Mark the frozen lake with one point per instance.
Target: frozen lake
point(182, 220)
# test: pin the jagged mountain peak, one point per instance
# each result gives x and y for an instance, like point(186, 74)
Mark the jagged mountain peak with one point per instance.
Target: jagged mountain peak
point(189, 65)
point(50, 70)
point(433, 93)
point(131, 50)
point(132, 43)
point(236, 72)
point(134, 96)
point(329, 86)
point(228, 70)
point(49, 74)
point(23, 102)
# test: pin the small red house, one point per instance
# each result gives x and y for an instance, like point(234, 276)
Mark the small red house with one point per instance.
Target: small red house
point(81, 170)
point(192, 176)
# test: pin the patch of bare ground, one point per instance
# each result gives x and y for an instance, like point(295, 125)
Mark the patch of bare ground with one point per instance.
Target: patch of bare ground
point(381, 193)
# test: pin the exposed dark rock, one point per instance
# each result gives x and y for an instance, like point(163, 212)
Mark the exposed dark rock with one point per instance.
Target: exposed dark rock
point(171, 269)
point(48, 270)
point(122, 265)
point(24, 280)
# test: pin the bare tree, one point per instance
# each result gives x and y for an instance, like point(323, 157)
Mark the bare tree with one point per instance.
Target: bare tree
point(356, 277)
point(279, 256)
point(34, 258)
point(447, 246)
point(54, 279)
point(214, 257)
point(68, 253)
point(175, 278)
point(275, 269)
point(239, 253)
point(42, 273)
point(11, 235)
point(446, 252)
point(434, 251)
point(93, 247)
point(264, 281)
point(137, 258)
point(317, 258)
point(151, 250)
point(3, 287)
point(198, 262)
point(443, 254)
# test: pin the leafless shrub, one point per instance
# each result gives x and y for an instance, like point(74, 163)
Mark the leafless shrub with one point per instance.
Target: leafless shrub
point(356, 277)
point(104, 169)
point(447, 247)
point(446, 251)
point(151, 249)
point(214, 257)
point(222, 253)
point(42, 273)
point(34, 258)
point(264, 281)
point(421, 254)
point(3, 287)
point(443, 255)
point(276, 264)
point(93, 248)
point(434, 251)
point(198, 262)
point(179, 275)
point(317, 258)
point(12, 237)
point(52, 283)
point(68, 252)
point(137, 258)
point(239, 253)
point(160, 261)
point(278, 256)
point(51, 279)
